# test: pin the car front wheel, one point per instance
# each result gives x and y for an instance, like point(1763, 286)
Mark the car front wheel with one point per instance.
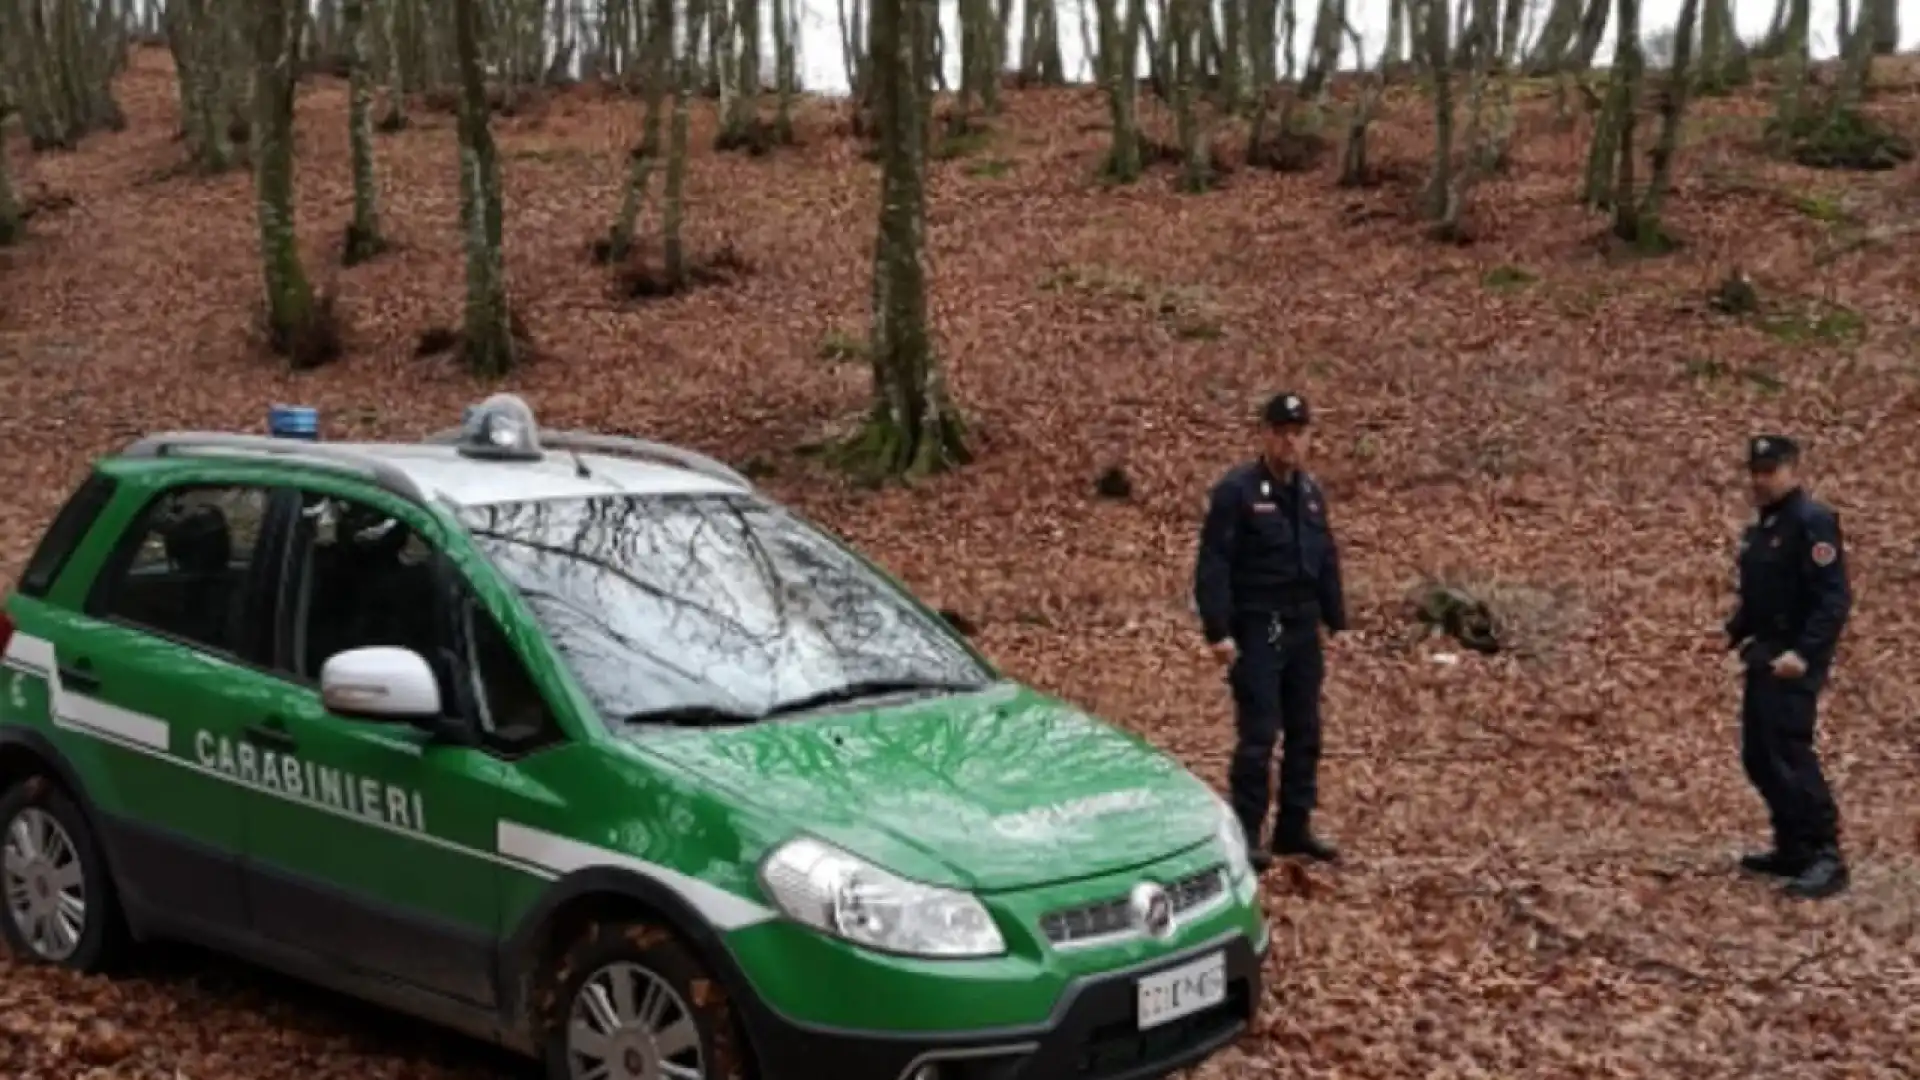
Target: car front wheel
point(632, 1003)
point(59, 903)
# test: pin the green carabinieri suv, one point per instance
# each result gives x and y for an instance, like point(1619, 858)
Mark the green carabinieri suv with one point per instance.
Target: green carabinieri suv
point(583, 745)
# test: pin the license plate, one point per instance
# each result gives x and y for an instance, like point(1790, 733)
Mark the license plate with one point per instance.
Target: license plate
point(1169, 995)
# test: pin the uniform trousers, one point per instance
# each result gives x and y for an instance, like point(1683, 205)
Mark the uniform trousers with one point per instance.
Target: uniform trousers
point(1777, 720)
point(1276, 678)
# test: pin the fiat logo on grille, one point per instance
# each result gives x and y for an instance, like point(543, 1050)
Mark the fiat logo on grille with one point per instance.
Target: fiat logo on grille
point(1152, 909)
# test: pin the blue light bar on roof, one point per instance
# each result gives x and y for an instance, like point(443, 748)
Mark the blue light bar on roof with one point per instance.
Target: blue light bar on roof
point(294, 422)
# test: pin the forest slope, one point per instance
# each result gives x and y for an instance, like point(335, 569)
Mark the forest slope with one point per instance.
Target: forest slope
point(1540, 847)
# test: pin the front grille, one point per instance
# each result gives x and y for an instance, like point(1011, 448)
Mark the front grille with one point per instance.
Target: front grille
point(1111, 918)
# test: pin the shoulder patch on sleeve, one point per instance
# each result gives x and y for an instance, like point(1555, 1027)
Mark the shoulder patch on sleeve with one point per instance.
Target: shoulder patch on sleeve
point(1824, 554)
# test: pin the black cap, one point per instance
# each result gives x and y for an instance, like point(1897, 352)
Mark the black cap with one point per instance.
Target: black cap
point(1285, 408)
point(1767, 451)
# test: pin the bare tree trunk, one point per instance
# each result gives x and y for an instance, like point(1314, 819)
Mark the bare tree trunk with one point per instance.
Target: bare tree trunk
point(1613, 131)
point(784, 69)
point(1790, 105)
point(660, 69)
point(434, 37)
point(1090, 54)
point(720, 31)
point(1354, 170)
point(363, 240)
point(321, 41)
point(993, 49)
point(1183, 31)
point(57, 66)
point(1119, 52)
point(12, 227)
point(853, 47)
point(1439, 195)
point(1723, 58)
point(1396, 46)
point(1551, 48)
point(1289, 27)
point(395, 118)
point(673, 214)
point(1261, 17)
point(1775, 38)
point(1510, 28)
point(741, 128)
point(1233, 56)
point(1886, 26)
point(206, 140)
point(976, 65)
point(1479, 51)
point(1124, 85)
point(912, 428)
point(292, 325)
point(1642, 225)
point(1593, 27)
point(487, 337)
point(93, 51)
point(1324, 54)
point(1158, 52)
point(1858, 67)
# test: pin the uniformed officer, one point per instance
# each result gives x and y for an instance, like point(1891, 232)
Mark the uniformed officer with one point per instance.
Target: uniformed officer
point(1266, 578)
point(1793, 604)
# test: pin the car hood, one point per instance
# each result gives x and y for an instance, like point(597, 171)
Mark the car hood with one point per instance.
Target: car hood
point(999, 789)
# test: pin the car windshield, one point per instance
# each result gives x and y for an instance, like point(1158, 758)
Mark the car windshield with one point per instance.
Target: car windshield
point(713, 607)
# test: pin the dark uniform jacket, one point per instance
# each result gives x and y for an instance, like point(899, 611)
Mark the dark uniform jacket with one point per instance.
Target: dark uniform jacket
point(1266, 548)
point(1794, 593)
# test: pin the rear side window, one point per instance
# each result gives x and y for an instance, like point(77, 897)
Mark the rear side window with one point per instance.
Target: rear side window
point(69, 527)
point(183, 570)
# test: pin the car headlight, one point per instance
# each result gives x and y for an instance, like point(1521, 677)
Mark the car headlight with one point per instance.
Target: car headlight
point(1234, 839)
point(841, 894)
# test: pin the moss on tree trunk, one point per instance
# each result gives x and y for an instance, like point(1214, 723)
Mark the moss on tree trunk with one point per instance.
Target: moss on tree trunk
point(1186, 17)
point(658, 59)
point(395, 118)
point(742, 117)
point(1119, 47)
point(1643, 226)
point(291, 323)
point(487, 337)
point(1791, 76)
point(913, 428)
point(363, 240)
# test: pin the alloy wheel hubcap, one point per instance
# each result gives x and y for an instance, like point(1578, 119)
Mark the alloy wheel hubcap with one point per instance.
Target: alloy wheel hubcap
point(46, 888)
point(627, 1023)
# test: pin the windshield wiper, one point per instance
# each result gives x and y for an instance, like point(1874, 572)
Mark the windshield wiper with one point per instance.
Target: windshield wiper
point(866, 688)
point(691, 716)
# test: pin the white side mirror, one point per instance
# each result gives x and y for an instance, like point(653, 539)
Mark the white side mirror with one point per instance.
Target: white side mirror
point(380, 682)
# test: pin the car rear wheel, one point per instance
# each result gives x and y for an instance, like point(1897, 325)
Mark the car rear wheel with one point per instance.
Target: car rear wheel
point(632, 1003)
point(57, 904)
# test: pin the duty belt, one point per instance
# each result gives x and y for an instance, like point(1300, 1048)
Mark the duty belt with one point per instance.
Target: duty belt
point(1278, 621)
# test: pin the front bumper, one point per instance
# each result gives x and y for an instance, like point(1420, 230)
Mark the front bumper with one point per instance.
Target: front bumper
point(1092, 1034)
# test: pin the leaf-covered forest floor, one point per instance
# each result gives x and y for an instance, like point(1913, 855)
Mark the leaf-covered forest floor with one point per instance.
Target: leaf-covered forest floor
point(1539, 876)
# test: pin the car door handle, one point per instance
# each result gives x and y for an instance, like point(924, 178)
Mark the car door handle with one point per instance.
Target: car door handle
point(269, 735)
point(78, 676)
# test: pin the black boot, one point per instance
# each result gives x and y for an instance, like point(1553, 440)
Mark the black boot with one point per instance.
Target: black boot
point(1290, 839)
point(1775, 863)
point(1823, 876)
point(1257, 856)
